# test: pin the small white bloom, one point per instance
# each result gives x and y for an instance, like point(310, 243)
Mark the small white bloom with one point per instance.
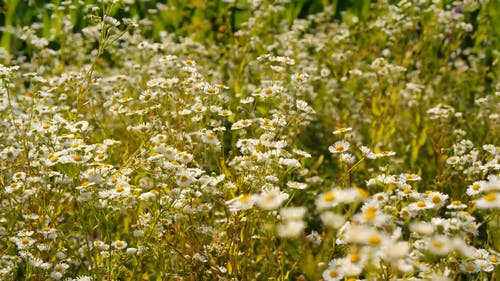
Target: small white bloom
point(119, 244)
point(271, 199)
point(293, 213)
point(338, 147)
point(290, 228)
point(296, 185)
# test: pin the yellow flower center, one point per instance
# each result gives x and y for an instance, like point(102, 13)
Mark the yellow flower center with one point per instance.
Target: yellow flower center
point(490, 197)
point(120, 188)
point(334, 273)
point(329, 197)
point(245, 198)
point(469, 267)
point(370, 213)
point(437, 244)
point(58, 268)
point(421, 204)
point(374, 240)
point(436, 199)
point(355, 258)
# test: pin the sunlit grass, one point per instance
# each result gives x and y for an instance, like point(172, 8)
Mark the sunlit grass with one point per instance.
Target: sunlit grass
point(235, 140)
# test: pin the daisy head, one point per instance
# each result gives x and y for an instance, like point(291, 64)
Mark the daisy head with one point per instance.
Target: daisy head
point(296, 185)
point(327, 200)
point(338, 147)
point(119, 244)
point(333, 273)
point(490, 200)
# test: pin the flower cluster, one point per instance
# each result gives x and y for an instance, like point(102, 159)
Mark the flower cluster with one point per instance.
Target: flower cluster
point(250, 142)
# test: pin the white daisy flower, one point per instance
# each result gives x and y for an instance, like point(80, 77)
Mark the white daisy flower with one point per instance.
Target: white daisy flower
point(338, 147)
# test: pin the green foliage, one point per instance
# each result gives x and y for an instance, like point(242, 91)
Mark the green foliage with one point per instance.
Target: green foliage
point(249, 140)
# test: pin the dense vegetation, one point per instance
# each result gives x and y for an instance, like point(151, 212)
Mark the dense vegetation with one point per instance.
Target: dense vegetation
point(250, 140)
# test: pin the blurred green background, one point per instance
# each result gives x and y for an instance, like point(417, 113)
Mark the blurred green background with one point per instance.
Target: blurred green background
point(198, 19)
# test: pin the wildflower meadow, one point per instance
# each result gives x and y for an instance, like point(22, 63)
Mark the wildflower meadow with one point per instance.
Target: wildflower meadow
point(250, 140)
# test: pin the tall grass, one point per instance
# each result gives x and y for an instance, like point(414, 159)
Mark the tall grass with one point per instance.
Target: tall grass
point(249, 140)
